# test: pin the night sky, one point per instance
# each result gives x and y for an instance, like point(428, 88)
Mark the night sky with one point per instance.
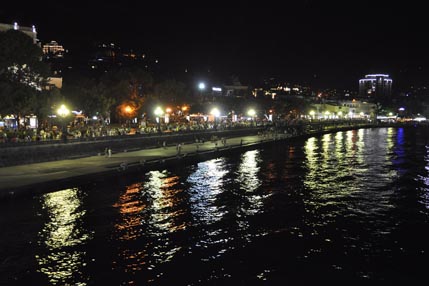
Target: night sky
point(322, 43)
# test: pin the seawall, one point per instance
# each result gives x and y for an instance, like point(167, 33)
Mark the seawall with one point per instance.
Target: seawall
point(23, 153)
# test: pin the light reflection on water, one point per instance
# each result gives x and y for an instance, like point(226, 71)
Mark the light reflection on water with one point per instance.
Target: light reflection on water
point(62, 235)
point(206, 182)
point(346, 205)
point(424, 179)
point(249, 180)
point(334, 175)
point(149, 211)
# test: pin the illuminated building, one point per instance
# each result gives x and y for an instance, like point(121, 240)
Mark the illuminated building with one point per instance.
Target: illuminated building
point(29, 31)
point(53, 49)
point(375, 85)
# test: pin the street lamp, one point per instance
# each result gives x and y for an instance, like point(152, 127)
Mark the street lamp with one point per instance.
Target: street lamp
point(216, 113)
point(128, 110)
point(63, 112)
point(201, 87)
point(252, 114)
point(158, 112)
point(327, 114)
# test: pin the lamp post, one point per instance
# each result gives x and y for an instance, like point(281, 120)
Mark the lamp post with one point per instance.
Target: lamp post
point(158, 112)
point(63, 112)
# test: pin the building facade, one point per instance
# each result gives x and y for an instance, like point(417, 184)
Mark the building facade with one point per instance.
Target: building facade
point(375, 85)
point(29, 31)
point(53, 49)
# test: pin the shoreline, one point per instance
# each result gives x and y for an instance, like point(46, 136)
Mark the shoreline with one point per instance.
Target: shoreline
point(43, 177)
point(37, 178)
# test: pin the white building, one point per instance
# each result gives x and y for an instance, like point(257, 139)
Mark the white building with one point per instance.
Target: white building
point(375, 85)
point(29, 31)
point(53, 49)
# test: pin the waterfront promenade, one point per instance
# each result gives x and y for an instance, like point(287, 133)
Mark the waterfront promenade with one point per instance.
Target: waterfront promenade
point(39, 177)
point(45, 176)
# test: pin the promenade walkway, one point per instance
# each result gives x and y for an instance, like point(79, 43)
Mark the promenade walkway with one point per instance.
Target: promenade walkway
point(39, 176)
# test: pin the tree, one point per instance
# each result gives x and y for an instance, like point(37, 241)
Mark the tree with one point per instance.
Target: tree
point(172, 92)
point(90, 96)
point(128, 87)
point(23, 75)
point(48, 101)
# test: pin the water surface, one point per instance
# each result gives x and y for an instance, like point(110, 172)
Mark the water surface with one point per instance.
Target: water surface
point(346, 206)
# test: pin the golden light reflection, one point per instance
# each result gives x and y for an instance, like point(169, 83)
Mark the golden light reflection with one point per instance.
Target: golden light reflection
point(149, 209)
point(130, 206)
point(163, 190)
point(354, 146)
point(329, 168)
point(312, 162)
point(389, 139)
point(166, 213)
point(357, 166)
point(310, 147)
point(326, 149)
point(62, 232)
point(339, 145)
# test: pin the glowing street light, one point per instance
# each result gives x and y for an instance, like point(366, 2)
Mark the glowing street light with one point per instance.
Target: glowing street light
point(128, 109)
point(251, 112)
point(63, 112)
point(215, 112)
point(327, 114)
point(158, 112)
point(201, 87)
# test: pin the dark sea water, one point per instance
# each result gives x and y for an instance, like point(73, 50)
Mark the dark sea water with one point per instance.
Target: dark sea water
point(351, 206)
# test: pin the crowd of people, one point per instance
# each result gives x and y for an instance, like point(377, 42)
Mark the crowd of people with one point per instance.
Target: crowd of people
point(88, 132)
point(83, 132)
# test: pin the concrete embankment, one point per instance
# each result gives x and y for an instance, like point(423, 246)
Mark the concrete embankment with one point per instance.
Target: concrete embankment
point(14, 154)
point(46, 176)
